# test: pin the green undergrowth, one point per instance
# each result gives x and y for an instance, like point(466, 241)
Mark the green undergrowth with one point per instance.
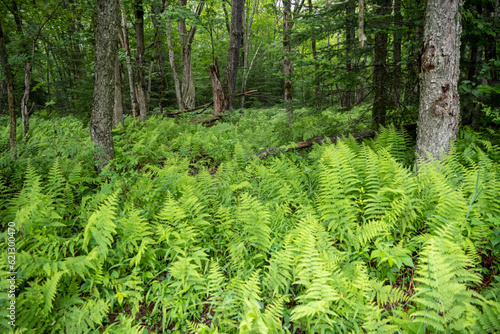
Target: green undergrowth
point(187, 232)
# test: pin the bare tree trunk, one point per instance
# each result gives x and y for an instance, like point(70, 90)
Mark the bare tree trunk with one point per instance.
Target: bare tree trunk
point(380, 73)
point(350, 32)
point(287, 62)
point(247, 44)
point(439, 111)
point(317, 87)
point(159, 49)
point(9, 80)
point(186, 39)
point(233, 53)
point(398, 22)
point(361, 24)
point(139, 60)
point(25, 99)
point(220, 100)
point(126, 46)
point(118, 106)
point(101, 120)
point(171, 57)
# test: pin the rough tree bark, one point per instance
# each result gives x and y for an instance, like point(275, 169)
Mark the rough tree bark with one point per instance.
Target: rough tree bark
point(380, 73)
point(233, 52)
point(101, 120)
point(139, 61)
point(126, 46)
point(439, 111)
point(118, 106)
point(186, 38)
point(9, 80)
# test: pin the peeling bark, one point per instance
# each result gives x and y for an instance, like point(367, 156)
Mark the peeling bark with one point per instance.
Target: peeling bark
point(439, 111)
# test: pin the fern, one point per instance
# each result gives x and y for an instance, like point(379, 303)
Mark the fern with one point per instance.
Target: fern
point(444, 302)
point(100, 226)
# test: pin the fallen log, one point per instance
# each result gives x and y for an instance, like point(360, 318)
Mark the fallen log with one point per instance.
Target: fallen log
point(310, 142)
point(205, 120)
point(409, 128)
point(206, 105)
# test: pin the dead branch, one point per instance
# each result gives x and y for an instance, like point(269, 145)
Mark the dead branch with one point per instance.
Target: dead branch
point(252, 93)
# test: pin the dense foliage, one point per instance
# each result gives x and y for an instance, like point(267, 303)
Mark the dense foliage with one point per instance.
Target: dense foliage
point(186, 231)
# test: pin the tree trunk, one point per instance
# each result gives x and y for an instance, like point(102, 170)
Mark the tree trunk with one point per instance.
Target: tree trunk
point(220, 100)
point(118, 106)
point(171, 57)
point(380, 73)
point(157, 12)
point(186, 38)
point(350, 32)
point(398, 22)
point(247, 44)
point(287, 62)
point(126, 46)
point(361, 24)
point(25, 99)
point(9, 80)
point(139, 60)
point(317, 87)
point(233, 52)
point(439, 111)
point(101, 120)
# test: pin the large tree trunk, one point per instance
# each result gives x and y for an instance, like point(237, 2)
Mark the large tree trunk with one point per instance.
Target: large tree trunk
point(126, 46)
point(380, 73)
point(398, 22)
point(287, 62)
point(233, 52)
point(439, 111)
point(171, 57)
point(101, 120)
point(139, 59)
point(118, 106)
point(9, 80)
